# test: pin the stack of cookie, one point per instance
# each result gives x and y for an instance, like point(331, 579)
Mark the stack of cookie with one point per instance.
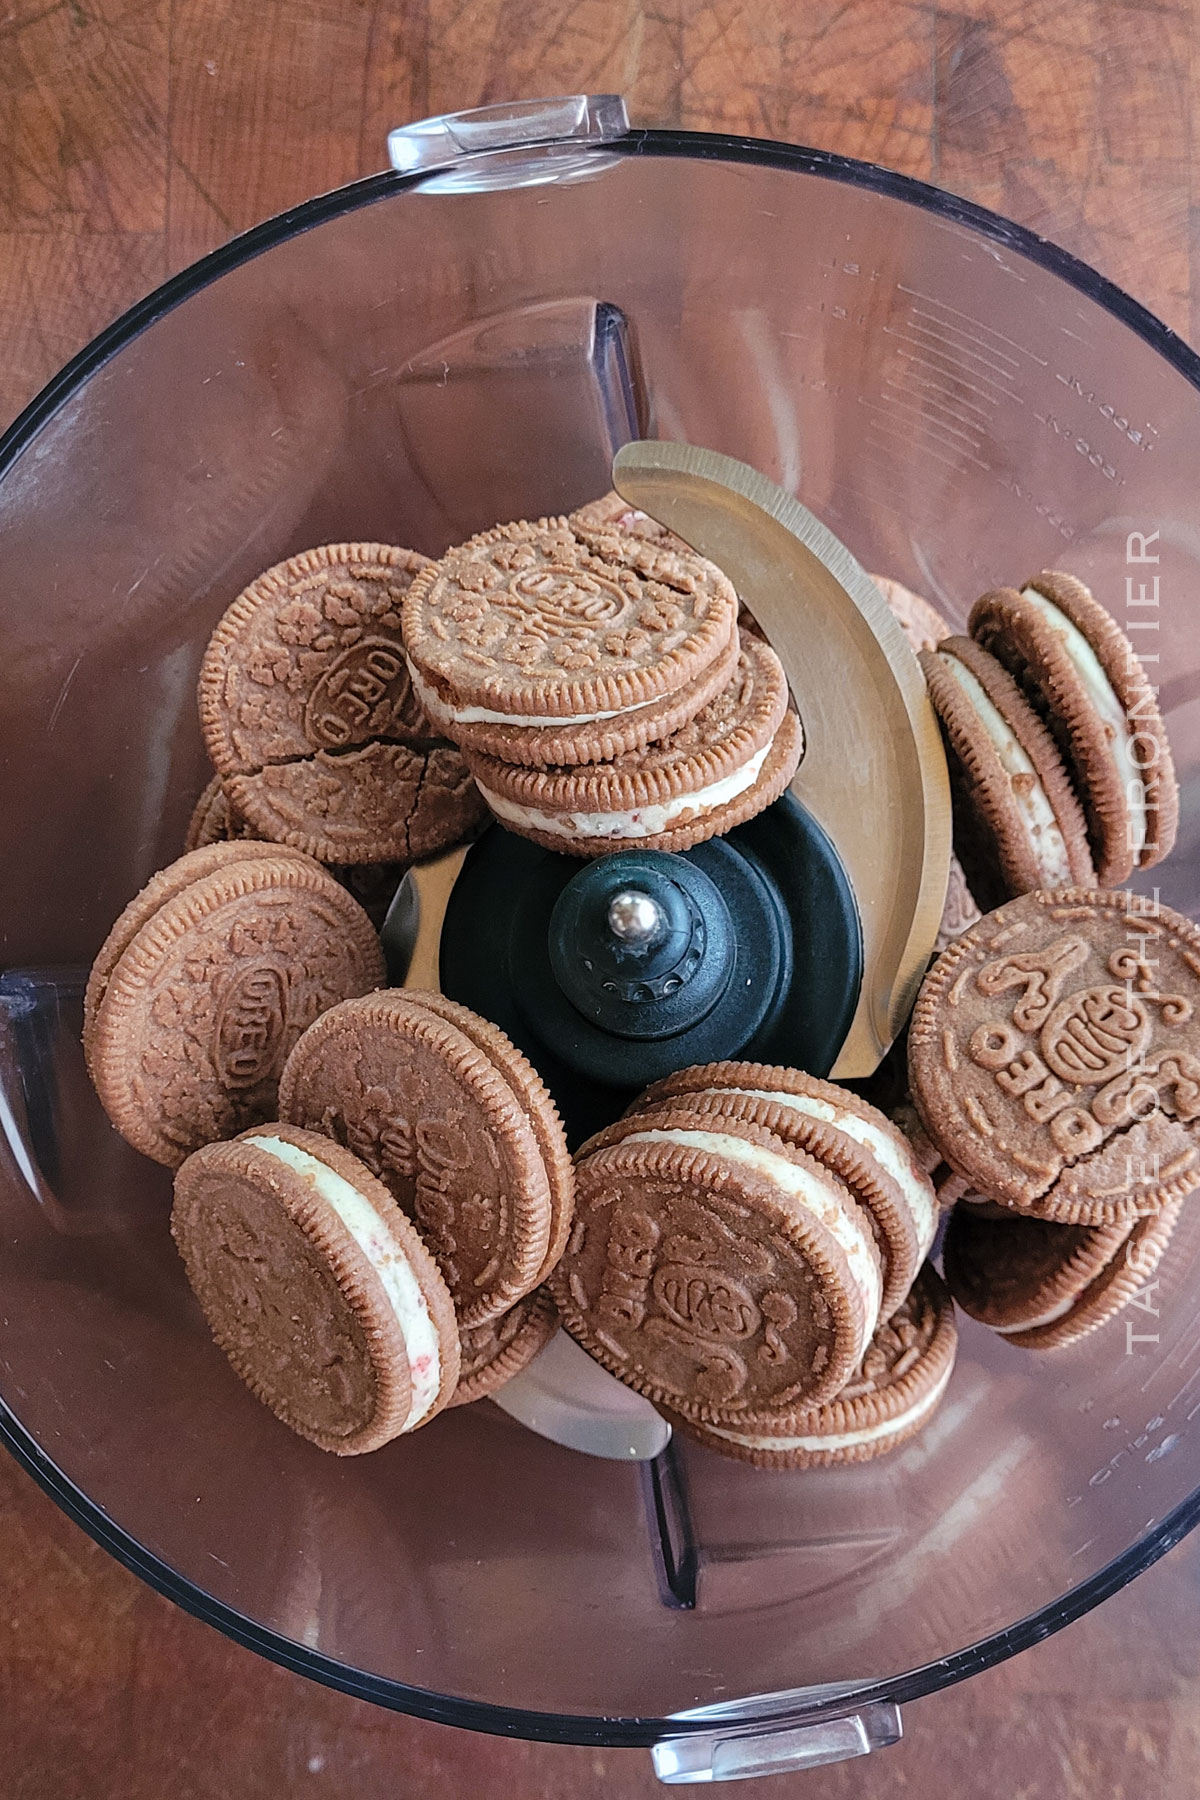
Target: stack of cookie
point(1054, 1063)
point(1061, 771)
point(377, 1252)
point(309, 718)
point(592, 673)
point(749, 1253)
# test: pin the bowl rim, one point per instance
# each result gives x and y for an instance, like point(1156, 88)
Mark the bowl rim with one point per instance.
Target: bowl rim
point(486, 1716)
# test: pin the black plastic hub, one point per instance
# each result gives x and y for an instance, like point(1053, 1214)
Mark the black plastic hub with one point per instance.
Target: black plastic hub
point(748, 945)
point(642, 945)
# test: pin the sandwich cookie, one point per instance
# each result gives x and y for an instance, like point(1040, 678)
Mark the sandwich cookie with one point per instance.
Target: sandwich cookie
point(845, 1134)
point(1083, 674)
point(541, 644)
point(1054, 1056)
point(1042, 1285)
point(894, 1392)
point(921, 622)
point(493, 1353)
point(717, 1268)
point(1017, 823)
point(203, 987)
point(317, 1288)
point(453, 1119)
point(725, 766)
point(309, 717)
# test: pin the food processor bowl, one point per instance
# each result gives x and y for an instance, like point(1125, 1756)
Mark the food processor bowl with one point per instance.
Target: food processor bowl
point(470, 338)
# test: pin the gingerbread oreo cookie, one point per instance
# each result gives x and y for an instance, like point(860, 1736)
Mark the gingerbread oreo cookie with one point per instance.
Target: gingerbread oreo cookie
point(453, 1119)
point(1042, 1285)
point(921, 622)
point(317, 1288)
point(207, 981)
point(540, 643)
point(725, 766)
point(493, 1353)
point(1017, 823)
point(892, 1394)
point(849, 1137)
point(1054, 1056)
point(716, 1268)
point(309, 717)
point(1083, 674)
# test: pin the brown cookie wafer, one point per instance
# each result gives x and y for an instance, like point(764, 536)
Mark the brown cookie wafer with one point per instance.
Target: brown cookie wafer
point(920, 621)
point(317, 1288)
point(373, 885)
point(725, 766)
point(959, 910)
point(493, 1353)
point(541, 644)
point(383, 803)
point(1054, 1056)
point(716, 1268)
point(844, 1133)
point(308, 712)
point(892, 1394)
point(200, 1008)
point(612, 513)
point(1083, 674)
point(211, 821)
point(164, 886)
point(1043, 1285)
point(1017, 823)
point(434, 1116)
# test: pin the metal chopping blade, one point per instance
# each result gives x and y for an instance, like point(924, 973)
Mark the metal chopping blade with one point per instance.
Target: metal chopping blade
point(873, 772)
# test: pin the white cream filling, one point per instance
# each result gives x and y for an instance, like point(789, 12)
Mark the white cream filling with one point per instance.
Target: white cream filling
point(846, 1440)
point(1058, 1311)
point(1103, 696)
point(1037, 814)
point(915, 1187)
point(645, 821)
point(801, 1185)
point(437, 708)
point(386, 1257)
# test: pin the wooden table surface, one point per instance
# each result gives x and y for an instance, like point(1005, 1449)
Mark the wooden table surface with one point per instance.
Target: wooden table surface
point(136, 135)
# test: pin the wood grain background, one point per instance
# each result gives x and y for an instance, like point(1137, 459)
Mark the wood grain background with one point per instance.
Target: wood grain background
point(137, 134)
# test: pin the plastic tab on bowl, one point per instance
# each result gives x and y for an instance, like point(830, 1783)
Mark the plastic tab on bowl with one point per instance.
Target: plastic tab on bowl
point(565, 1396)
point(448, 140)
point(736, 1751)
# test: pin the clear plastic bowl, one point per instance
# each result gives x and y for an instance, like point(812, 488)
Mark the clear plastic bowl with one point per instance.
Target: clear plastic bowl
point(411, 358)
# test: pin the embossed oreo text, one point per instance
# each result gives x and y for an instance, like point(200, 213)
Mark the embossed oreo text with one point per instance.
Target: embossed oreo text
point(1101, 1037)
point(366, 690)
point(250, 1027)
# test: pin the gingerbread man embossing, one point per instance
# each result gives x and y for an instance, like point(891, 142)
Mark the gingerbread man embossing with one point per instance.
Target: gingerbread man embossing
point(1040, 973)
